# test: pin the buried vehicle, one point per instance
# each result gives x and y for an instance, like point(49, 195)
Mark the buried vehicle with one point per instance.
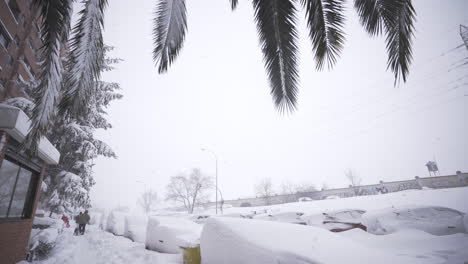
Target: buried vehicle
point(338, 220)
point(431, 219)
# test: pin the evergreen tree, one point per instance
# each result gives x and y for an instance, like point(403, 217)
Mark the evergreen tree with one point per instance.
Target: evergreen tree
point(69, 183)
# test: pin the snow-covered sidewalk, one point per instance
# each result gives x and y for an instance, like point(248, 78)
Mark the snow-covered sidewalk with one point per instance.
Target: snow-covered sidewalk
point(100, 247)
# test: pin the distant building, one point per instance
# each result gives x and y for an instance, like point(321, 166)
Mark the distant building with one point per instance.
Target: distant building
point(20, 41)
point(20, 175)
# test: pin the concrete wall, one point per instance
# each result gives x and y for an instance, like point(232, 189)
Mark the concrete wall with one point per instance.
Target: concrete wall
point(449, 181)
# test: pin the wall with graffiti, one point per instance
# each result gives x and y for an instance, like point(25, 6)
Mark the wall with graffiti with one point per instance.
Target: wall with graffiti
point(438, 182)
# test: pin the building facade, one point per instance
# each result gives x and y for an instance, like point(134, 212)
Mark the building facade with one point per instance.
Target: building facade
point(20, 174)
point(20, 43)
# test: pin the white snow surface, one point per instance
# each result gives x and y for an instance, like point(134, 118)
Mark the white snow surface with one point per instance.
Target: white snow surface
point(100, 247)
point(414, 235)
point(135, 227)
point(116, 223)
point(169, 234)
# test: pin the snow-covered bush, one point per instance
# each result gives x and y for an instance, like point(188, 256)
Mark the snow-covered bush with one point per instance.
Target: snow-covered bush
point(168, 234)
point(135, 228)
point(41, 243)
point(431, 219)
point(233, 240)
point(116, 223)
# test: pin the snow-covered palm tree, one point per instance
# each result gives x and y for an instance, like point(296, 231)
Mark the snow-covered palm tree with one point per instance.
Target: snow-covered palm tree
point(276, 23)
point(83, 65)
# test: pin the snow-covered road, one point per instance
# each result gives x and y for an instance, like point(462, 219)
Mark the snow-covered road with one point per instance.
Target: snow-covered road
point(100, 247)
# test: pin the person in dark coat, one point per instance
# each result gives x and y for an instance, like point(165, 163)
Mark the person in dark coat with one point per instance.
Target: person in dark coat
point(78, 220)
point(82, 220)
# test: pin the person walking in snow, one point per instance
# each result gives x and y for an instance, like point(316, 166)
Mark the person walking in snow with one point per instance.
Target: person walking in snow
point(66, 223)
point(78, 220)
point(82, 220)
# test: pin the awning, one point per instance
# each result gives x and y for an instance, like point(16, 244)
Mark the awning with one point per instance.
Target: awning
point(15, 122)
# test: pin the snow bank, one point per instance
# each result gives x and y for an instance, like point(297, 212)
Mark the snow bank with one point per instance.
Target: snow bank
point(116, 223)
point(135, 228)
point(46, 222)
point(233, 240)
point(432, 219)
point(95, 218)
point(168, 234)
point(103, 222)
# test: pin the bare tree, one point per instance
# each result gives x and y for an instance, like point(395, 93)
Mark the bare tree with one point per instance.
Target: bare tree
point(189, 190)
point(305, 187)
point(354, 180)
point(325, 186)
point(288, 191)
point(264, 189)
point(148, 200)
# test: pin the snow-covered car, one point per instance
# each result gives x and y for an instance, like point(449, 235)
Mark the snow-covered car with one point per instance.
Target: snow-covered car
point(168, 234)
point(304, 199)
point(234, 241)
point(434, 220)
point(338, 220)
point(332, 197)
point(285, 217)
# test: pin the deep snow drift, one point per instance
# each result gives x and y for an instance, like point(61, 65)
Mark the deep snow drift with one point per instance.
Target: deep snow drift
point(416, 226)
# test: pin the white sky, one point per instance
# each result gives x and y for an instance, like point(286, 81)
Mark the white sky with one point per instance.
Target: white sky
point(217, 96)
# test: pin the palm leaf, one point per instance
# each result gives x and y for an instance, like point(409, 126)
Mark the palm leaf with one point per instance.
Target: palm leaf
point(276, 27)
point(396, 17)
point(86, 57)
point(169, 29)
point(54, 19)
point(233, 4)
point(325, 22)
point(369, 15)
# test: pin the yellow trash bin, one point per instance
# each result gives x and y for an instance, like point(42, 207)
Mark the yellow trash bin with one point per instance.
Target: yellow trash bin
point(192, 255)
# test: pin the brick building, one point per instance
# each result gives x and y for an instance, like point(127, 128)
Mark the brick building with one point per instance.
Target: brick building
point(20, 175)
point(20, 41)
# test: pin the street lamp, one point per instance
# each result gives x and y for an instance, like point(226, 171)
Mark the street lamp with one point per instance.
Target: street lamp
point(216, 160)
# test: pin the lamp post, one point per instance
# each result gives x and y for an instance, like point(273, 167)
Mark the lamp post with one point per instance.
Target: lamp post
point(216, 181)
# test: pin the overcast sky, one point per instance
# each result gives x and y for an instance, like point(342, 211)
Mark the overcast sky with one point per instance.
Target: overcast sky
point(216, 95)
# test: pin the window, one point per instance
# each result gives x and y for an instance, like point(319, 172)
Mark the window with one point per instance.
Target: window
point(16, 190)
point(5, 38)
point(14, 8)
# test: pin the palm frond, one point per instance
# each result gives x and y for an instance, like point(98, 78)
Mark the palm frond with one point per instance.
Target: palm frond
point(276, 28)
point(170, 24)
point(398, 17)
point(325, 22)
point(86, 56)
point(369, 15)
point(54, 19)
point(233, 4)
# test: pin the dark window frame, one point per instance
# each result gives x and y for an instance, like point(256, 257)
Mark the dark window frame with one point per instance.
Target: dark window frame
point(28, 206)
